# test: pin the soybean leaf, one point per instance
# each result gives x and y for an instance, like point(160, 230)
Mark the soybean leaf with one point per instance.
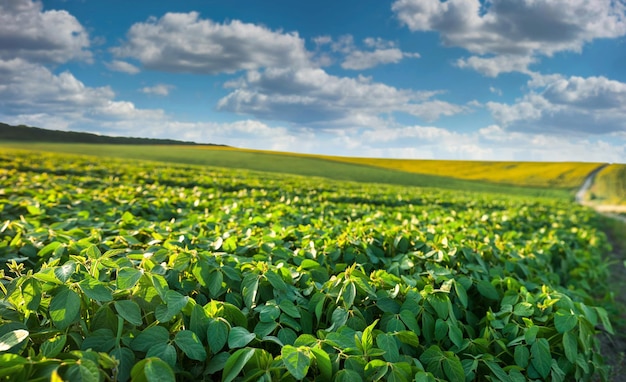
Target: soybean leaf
point(570, 345)
point(376, 369)
point(540, 357)
point(189, 343)
point(64, 308)
point(487, 290)
point(564, 320)
point(126, 359)
point(239, 337)
point(129, 310)
point(388, 343)
point(217, 334)
point(163, 351)
point(296, 360)
point(127, 278)
point(235, 363)
point(12, 338)
point(322, 360)
point(95, 290)
point(149, 337)
point(53, 346)
point(85, 371)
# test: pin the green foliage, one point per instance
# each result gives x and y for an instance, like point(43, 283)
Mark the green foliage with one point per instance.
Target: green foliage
point(148, 273)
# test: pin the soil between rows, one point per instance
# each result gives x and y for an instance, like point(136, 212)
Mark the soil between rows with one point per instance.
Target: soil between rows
point(613, 347)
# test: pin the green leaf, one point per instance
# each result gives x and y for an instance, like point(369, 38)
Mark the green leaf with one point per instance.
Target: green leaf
point(31, 292)
point(367, 339)
point(541, 359)
point(129, 310)
point(276, 281)
point(523, 309)
point(604, 318)
point(289, 308)
point(126, 359)
point(236, 363)
point(83, 371)
point(64, 308)
point(163, 351)
point(190, 344)
point(570, 345)
point(348, 376)
point(487, 290)
point(63, 273)
point(263, 329)
point(497, 371)
point(376, 369)
point(13, 338)
point(388, 343)
point(152, 370)
point(250, 288)
point(522, 356)
point(239, 337)
point(440, 302)
point(92, 252)
point(565, 320)
point(388, 305)
point(95, 290)
point(53, 346)
point(461, 293)
point(408, 337)
point(127, 278)
point(322, 360)
point(215, 282)
point(453, 368)
point(217, 334)
point(149, 337)
point(296, 360)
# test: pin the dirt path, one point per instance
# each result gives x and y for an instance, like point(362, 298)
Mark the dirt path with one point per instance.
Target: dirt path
point(611, 211)
point(613, 347)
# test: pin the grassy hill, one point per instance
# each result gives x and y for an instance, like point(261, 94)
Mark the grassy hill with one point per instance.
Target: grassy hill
point(23, 133)
point(610, 185)
point(556, 179)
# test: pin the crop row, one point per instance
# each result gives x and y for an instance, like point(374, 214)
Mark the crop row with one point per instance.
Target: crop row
point(118, 271)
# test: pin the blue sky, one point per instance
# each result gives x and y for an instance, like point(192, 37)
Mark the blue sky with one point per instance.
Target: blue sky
point(457, 79)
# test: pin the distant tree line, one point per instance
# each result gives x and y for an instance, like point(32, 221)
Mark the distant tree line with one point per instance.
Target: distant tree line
point(36, 134)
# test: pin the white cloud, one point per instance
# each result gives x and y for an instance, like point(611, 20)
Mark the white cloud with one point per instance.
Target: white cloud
point(358, 59)
point(160, 89)
point(310, 96)
point(514, 30)
point(381, 52)
point(515, 27)
point(576, 105)
point(495, 90)
point(31, 92)
point(494, 66)
point(27, 32)
point(122, 66)
point(184, 42)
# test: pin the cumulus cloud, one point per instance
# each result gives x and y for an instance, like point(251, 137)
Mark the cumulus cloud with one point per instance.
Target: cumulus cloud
point(494, 66)
point(122, 66)
point(28, 32)
point(184, 42)
point(515, 30)
point(378, 51)
point(310, 95)
point(30, 91)
point(359, 60)
point(575, 105)
point(160, 89)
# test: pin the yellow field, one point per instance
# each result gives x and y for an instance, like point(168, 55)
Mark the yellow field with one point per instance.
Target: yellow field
point(564, 175)
point(610, 186)
point(537, 174)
